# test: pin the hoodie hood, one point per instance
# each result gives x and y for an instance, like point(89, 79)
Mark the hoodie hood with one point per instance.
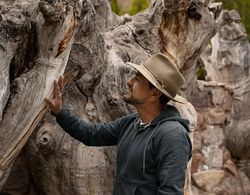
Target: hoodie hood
point(171, 113)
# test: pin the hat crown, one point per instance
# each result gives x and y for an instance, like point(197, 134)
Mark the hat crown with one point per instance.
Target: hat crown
point(166, 73)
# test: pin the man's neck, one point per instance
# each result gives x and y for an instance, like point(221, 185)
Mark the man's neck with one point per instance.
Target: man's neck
point(148, 113)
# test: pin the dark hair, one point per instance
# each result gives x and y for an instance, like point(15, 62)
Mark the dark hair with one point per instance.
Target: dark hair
point(163, 98)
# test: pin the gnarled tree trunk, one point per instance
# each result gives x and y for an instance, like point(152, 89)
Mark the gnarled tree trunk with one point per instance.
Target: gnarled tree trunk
point(37, 53)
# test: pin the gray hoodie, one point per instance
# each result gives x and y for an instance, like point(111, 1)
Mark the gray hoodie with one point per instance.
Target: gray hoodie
point(150, 160)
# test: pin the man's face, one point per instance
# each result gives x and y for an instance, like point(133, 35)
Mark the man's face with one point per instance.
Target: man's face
point(138, 90)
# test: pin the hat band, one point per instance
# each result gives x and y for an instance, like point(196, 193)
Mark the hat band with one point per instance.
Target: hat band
point(159, 82)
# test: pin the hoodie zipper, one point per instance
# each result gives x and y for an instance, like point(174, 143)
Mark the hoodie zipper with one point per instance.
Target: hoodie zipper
point(145, 148)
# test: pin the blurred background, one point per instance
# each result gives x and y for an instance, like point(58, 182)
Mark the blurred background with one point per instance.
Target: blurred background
point(134, 6)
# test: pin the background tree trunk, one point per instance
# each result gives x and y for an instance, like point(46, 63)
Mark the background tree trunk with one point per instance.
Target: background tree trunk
point(221, 143)
point(36, 52)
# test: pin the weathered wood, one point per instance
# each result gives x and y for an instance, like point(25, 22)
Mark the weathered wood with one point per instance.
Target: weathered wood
point(55, 28)
point(96, 72)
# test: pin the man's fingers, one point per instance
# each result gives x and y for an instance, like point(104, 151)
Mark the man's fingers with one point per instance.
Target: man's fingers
point(49, 101)
point(56, 89)
point(60, 82)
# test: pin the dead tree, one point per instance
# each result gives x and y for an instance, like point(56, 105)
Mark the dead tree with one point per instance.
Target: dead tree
point(36, 39)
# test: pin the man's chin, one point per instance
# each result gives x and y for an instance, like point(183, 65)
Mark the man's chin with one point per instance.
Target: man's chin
point(127, 99)
point(131, 101)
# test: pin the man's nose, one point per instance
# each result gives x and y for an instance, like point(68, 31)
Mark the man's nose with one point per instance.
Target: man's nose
point(129, 82)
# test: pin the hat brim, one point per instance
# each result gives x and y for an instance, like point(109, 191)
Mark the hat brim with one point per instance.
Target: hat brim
point(150, 77)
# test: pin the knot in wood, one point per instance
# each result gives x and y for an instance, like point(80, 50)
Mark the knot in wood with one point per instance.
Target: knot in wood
point(140, 31)
point(45, 140)
point(53, 12)
point(193, 12)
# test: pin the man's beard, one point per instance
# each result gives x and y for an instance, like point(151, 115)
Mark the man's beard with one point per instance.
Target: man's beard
point(131, 100)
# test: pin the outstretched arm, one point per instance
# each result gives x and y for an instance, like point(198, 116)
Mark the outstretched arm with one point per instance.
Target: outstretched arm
point(87, 133)
point(101, 134)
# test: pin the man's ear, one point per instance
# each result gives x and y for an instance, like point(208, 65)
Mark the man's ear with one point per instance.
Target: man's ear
point(156, 93)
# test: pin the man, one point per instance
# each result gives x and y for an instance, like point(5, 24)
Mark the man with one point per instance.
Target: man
point(153, 146)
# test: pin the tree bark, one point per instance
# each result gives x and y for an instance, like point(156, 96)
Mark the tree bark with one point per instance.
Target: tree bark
point(55, 28)
point(95, 76)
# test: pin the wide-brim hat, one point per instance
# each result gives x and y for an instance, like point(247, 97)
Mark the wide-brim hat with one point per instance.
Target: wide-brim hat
point(163, 74)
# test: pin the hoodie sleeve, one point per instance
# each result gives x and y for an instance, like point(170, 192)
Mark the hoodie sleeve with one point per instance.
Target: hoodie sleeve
point(102, 134)
point(173, 153)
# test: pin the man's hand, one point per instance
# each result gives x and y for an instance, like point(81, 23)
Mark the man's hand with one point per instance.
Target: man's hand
point(55, 104)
